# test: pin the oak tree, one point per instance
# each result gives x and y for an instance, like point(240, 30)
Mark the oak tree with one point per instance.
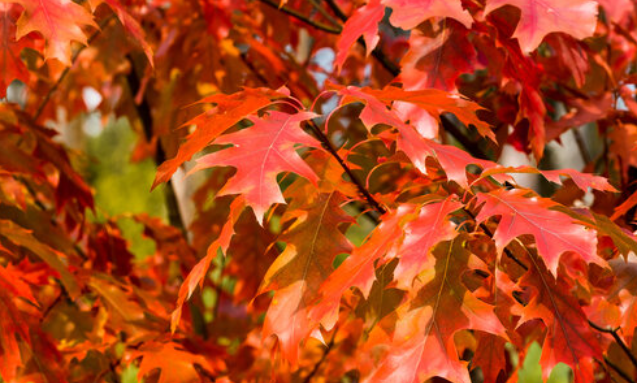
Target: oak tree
point(357, 216)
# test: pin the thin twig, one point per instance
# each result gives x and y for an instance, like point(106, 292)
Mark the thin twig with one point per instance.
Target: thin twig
point(377, 53)
point(324, 12)
point(490, 234)
point(66, 70)
point(337, 10)
point(327, 350)
point(618, 339)
point(383, 59)
point(302, 17)
point(619, 371)
point(471, 146)
point(50, 307)
point(327, 145)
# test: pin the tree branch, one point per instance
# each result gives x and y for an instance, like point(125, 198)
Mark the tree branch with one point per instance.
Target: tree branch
point(484, 228)
point(298, 15)
point(327, 350)
point(336, 9)
point(327, 145)
point(324, 12)
point(618, 339)
point(471, 146)
point(144, 113)
point(618, 370)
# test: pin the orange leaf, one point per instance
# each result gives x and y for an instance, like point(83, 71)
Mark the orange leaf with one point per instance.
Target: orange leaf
point(176, 364)
point(229, 110)
point(59, 22)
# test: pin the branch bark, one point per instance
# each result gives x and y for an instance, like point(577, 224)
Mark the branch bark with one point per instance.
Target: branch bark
point(618, 339)
point(359, 185)
point(144, 113)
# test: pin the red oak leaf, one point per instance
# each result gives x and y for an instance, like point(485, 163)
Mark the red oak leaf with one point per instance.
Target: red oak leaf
point(581, 180)
point(540, 17)
point(363, 22)
point(25, 238)
point(11, 64)
point(412, 141)
point(13, 328)
point(435, 102)
point(453, 161)
point(622, 209)
point(422, 345)
point(229, 110)
point(554, 231)
point(358, 269)
point(435, 60)
point(197, 275)
point(407, 14)
point(260, 153)
point(570, 339)
point(624, 291)
point(59, 22)
point(421, 235)
point(176, 364)
point(490, 355)
point(313, 241)
point(132, 27)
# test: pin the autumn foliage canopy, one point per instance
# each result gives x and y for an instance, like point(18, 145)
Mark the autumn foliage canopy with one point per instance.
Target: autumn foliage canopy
point(356, 216)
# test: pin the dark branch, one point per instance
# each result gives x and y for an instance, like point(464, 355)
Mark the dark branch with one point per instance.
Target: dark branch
point(327, 145)
point(327, 350)
point(471, 146)
point(619, 371)
point(324, 12)
point(144, 113)
point(490, 234)
point(618, 339)
point(336, 9)
point(298, 15)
